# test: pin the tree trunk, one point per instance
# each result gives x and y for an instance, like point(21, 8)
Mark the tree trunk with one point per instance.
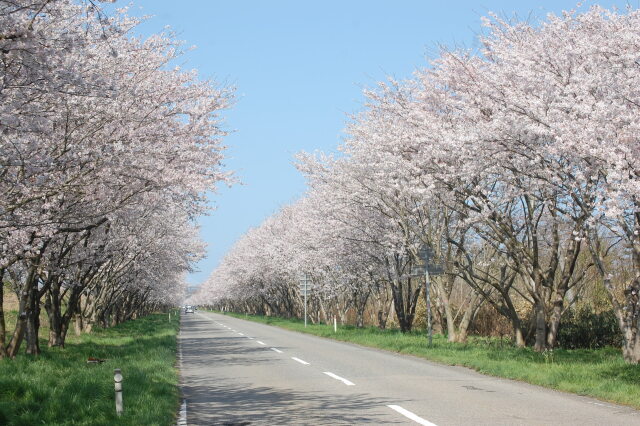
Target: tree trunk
point(467, 319)
point(72, 307)
point(541, 326)
point(398, 303)
point(33, 327)
point(451, 326)
point(3, 330)
point(631, 346)
point(554, 322)
point(627, 311)
point(52, 306)
point(25, 302)
point(413, 302)
point(519, 336)
point(77, 325)
point(361, 298)
point(384, 305)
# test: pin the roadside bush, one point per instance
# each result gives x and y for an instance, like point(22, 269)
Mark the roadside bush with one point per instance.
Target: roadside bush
point(584, 328)
point(488, 322)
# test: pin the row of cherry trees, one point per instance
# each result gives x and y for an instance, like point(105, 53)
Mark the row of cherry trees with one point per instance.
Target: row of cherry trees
point(106, 153)
point(519, 166)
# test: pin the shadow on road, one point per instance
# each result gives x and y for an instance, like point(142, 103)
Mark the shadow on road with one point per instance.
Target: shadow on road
point(216, 400)
point(228, 405)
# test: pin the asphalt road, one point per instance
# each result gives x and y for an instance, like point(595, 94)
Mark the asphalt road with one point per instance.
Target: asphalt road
point(237, 372)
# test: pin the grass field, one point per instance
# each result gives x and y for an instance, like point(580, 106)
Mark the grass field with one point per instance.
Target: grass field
point(600, 373)
point(60, 388)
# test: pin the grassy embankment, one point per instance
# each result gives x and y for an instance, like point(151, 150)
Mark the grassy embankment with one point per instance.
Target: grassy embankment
point(59, 387)
point(600, 373)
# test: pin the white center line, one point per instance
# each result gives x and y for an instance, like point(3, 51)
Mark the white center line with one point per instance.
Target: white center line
point(411, 416)
point(241, 334)
point(299, 360)
point(260, 342)
point(251, 338)
point(277, 350)
point(342, 379)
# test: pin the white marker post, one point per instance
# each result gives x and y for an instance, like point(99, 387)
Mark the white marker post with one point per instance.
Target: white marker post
point(335, 324)
point(117, 378)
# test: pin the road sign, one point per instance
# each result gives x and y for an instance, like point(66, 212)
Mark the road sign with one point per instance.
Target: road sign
point(427, 268)
point(435, 268)
point(305, 291)
point(417, 270)
point(425, 253)
point(432, 268)
point(428, 258)
point(305, 287)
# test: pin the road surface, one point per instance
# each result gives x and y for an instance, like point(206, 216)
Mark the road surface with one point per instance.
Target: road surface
point(237, 372)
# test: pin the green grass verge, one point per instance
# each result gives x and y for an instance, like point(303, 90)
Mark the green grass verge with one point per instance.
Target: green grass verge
point(599, 373)
point(59, 387)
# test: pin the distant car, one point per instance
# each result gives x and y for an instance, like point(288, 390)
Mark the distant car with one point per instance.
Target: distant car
point(188, 309)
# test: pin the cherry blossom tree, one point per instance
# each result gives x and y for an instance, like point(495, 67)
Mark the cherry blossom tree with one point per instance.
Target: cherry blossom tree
point(517, 166)
point(96, 125)
point(555, 104)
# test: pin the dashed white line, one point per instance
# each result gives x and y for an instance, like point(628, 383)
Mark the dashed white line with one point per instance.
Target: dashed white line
point(299, 360)
point(262, 343)
point(250, 338)
point(277, 350)
point(408, 414)
point(342, 379)
point(241, 334)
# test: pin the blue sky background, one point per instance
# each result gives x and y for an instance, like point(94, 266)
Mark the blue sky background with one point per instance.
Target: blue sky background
point(299, 68)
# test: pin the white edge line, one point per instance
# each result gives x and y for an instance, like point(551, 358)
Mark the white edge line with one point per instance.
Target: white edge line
point(182, 421)
point(299, 360)
point(342, 379)
point(277, 350)
point(408, 414)
point(262, 343)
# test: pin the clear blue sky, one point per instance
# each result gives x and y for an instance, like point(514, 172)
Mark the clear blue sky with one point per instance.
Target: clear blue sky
point(299, 67)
